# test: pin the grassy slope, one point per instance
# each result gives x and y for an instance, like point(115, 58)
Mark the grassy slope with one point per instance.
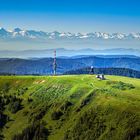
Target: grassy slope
point(98, 110)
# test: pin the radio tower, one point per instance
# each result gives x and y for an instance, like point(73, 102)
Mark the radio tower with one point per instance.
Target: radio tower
point(54, 63)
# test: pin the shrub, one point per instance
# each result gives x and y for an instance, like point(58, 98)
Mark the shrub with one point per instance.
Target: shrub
point(3, 119)
point(66, 105)
point(6, 87)
point(30, 100)
point(123, 86)
point(38, 115)
point(120, 85)
point(15, 106)
point(36, 131)
point(56, 115)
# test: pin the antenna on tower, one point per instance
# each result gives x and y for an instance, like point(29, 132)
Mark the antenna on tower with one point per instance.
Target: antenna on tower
point(54, 63)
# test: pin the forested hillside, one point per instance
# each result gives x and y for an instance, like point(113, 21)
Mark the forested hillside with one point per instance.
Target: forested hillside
point(45, 66)
point(106, 71)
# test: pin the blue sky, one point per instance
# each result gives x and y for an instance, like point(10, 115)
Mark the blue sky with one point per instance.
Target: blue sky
point(71, 15)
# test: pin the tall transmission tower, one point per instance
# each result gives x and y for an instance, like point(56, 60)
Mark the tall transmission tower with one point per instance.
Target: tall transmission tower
point(54, 63)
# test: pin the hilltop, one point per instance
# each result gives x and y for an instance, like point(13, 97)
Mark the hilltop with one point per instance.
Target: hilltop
point(69, 107)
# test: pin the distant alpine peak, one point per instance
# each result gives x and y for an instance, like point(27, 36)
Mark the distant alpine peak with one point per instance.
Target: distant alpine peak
point(2, 29)
point(33, 34)
point(17, 30)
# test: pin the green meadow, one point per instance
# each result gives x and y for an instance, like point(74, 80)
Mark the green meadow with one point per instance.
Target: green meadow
point(69, 108)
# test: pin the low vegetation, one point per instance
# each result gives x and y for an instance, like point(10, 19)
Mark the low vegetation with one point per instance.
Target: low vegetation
point(120, 85)
point(36, 131)
point(69, 108)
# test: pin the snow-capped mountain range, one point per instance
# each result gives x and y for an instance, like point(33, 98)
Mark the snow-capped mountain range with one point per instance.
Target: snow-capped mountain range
point(18, 33)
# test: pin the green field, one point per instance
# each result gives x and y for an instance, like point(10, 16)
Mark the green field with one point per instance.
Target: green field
point(69, 108)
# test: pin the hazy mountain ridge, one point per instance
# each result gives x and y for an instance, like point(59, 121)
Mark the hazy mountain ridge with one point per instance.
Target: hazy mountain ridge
point(65, 53)
point(44, 66)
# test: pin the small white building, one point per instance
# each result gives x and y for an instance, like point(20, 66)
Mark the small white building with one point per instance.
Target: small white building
point(100, 76)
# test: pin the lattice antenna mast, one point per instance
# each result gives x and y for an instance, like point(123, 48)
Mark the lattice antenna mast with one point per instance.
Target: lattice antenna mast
point(54, 63)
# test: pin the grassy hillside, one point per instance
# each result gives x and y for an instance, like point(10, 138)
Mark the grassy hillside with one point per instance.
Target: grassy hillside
point(69, 108)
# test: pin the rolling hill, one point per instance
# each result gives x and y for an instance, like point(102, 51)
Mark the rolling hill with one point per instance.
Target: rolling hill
point(69, 108)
